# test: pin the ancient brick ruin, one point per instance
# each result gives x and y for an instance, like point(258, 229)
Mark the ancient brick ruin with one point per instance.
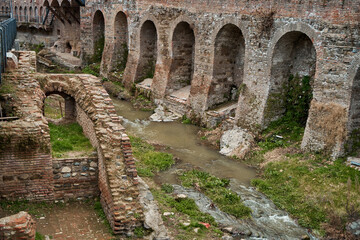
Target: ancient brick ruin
point(197, 56)
point(29, 172)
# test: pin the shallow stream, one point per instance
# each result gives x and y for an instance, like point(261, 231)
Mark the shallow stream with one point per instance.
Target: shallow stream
point(182, 141)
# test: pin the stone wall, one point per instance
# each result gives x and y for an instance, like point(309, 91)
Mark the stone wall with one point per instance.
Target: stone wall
point(75, 178)
point(329, 30)
point(17, 227)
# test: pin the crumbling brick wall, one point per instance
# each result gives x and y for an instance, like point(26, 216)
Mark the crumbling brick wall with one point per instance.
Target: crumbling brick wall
point(17, 227)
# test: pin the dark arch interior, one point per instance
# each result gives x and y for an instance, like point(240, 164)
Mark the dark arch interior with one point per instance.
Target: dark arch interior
point(182, 66)
point(355, 103)
point(292, 73)
point(148, 51)
point(121, 42)
point(98, 35)
point(228, 71)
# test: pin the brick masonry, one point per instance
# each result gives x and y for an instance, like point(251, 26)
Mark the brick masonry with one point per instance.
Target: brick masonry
point(271, 30)
point(17, 227)
point(27, 169)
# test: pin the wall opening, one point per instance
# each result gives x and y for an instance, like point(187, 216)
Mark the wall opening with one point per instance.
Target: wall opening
point(228, 70)
point(59, 107)
point(98, 35)
point(182, 66)
point(148, 52)
point(121, 42)
point(292, 74)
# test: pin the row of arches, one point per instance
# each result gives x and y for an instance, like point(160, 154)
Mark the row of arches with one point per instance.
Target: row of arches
point(29, 14)
point(294, 54)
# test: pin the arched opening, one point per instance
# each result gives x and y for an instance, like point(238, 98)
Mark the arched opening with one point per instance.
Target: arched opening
point(20, 14)
point(68, 47)
point(98, 35)
point(354, 117)
point(59, 107)
point(25, 14)
point(36, 14)
point(292, 74)
point(228, 70)
point(148, 52)
point(182, 66)
point(7, 10)
point(121, 42)
point(30, 14)
point(16, 14)
point(41, 14)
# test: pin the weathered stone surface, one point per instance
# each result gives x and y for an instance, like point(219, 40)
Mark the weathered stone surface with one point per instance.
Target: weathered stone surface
point(66, 170)
point(236, 142)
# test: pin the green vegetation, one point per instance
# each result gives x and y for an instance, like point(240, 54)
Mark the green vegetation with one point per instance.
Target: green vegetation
point(35, 209)
point(123, 53)
point(36, 47)
point(100, 212)
point(98, 50)
point(186, 120)
point(216, 189)
point(149, 71)
point(185, 210)
point(39, 236)
point(322, 194)
point(150, 161)
point(68, 137)
point(93, 69)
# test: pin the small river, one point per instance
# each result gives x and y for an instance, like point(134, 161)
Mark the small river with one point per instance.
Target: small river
point(182, 141)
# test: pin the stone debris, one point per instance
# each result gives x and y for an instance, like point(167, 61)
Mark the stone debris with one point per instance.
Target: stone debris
point(236, 142)
point(162, 115)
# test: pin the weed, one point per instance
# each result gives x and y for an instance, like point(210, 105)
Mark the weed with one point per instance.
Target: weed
point(93, 69)
point(150, 161)
point(100, 212)
point(215, 189)
point(39, 236)
point(186, 120)
point(167, 188)
point(68, 137)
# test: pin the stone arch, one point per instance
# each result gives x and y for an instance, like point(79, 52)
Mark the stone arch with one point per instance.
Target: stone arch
point(292, 53)
point(183, 57)
point(121, 41)
point(16, 13)
point(98, 27)
point(148, 51)
point(228, 65)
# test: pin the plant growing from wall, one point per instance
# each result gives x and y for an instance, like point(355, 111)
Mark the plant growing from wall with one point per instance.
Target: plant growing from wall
point(98, 50)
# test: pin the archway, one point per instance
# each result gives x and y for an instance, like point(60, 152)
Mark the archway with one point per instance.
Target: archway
point(59, 107)
point(25, 15)
point(354, 116)
point(228, 72)
point(98, 35)
point(182, 66)
point(148, 51)
point(121, 42)
point(292, 73)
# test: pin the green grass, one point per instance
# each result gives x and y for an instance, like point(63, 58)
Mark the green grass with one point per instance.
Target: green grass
point(68, 137)
point(312, 188)
point(216, 189)
point(39, 236)
point(100, 212)
point(93, 69)
point(35, 209)
point(150, 161)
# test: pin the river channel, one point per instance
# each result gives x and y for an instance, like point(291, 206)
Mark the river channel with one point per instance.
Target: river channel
point(182, 141)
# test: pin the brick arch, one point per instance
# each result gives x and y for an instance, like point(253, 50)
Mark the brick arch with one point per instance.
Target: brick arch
point(117, 173)
point(121, 37)
point(282, 47)
point(233, 62)
point(98, 30)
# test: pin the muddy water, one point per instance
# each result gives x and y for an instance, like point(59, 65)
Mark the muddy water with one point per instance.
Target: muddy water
point(183, 143)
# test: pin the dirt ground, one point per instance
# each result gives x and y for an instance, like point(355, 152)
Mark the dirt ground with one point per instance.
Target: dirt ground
point(74, 220)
